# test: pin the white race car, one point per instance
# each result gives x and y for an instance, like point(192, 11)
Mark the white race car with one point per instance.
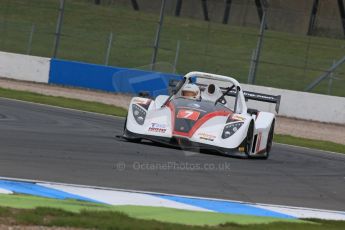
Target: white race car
point(201, 114)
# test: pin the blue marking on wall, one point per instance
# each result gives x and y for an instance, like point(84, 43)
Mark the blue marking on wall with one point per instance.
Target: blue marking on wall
point(110, 79)
point(227, 207)
point(38, 190)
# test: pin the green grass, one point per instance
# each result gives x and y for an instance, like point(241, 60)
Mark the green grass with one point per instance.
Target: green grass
point(288, 61)
point(63, 102)
point(168, 215)
point(116, 111)
point(309, 143)
point(27, 210)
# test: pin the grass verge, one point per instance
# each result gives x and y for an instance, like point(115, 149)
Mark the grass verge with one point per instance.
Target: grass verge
point(63, 102)
point(113, 110)
point(26, 210)
point(168, 215)
point(309, 143)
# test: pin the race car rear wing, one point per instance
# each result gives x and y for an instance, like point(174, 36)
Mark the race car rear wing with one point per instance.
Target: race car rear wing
point(260, 97)
point(255, 96)
point(247, 94)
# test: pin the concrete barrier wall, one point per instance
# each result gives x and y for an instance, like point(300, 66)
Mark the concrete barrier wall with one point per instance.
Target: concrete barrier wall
point(24, 67)
point(111, 79)
point(302, 105)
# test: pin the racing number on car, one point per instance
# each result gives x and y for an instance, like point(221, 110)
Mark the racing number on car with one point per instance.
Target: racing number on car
point(188, 114)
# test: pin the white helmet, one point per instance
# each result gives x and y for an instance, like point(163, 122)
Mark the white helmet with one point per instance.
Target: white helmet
point(191, 91)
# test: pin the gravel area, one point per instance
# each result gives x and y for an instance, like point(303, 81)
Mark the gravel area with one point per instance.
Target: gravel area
point(284, 125)
point(311, 129)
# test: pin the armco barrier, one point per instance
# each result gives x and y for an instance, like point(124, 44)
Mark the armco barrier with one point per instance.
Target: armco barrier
point(24, 67)
point(111, 79)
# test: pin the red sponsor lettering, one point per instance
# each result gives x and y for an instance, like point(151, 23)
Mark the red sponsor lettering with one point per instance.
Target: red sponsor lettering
point(157, 130)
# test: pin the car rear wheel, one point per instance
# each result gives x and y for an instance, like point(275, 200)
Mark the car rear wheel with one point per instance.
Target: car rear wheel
point(269, 140)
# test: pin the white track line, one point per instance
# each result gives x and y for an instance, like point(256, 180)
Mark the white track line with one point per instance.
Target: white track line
point(305, 213)
point(5, 191)
point(112, 197)
point(169, 194)
point(319, 150)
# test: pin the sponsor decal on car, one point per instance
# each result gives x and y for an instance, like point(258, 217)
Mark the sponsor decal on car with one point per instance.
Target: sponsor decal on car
point(206, 136)
point(158, 128)
point(141, 101)
point(237, 117)
point(188, 114)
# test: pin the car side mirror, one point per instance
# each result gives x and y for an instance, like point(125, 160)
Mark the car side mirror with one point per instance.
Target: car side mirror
point(144, 94)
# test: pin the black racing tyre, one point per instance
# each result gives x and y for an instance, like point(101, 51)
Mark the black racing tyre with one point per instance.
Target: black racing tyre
point(124, 127)
point(125, 134)
point(269, 140)
point(249, 139)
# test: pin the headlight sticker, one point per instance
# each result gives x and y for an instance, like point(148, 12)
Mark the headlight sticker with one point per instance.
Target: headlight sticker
point(139, 114)
point(230, 129)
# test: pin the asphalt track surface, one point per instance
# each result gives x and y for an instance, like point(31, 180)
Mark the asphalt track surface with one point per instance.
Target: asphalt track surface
point(53, 144)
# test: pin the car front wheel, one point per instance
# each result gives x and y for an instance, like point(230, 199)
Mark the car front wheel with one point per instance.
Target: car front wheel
point(129, 138)
point(249, 139)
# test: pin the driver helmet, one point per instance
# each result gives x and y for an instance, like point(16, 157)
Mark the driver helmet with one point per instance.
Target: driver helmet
point(191, 91)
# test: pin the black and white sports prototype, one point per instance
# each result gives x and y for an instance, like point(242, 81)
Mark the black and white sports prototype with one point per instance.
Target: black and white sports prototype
point(204, 111)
